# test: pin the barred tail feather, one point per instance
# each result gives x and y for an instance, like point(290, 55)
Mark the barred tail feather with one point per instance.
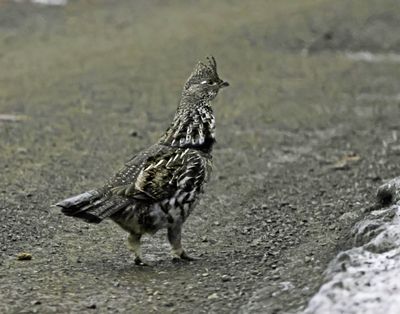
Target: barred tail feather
point(79, 206)
point(92, 206)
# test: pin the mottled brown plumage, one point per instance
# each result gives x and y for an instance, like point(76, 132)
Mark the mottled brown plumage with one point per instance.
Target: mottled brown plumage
point(158, 188)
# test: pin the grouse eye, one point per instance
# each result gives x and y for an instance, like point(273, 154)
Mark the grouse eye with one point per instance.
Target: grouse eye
point(208, 82)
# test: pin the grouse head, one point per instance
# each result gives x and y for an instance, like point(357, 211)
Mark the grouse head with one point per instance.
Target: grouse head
point(204, 82)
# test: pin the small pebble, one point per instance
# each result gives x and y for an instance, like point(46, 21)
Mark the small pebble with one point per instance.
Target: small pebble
point(225, 278)
point(213, 296)
point(23, 256)
point(91, 306)
point(133, 133)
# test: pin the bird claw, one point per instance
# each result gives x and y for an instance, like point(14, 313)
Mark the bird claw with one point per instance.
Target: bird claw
point(183, 257)
point(139, 262)
point(186, 257)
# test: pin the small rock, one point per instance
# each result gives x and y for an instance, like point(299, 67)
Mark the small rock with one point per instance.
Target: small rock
point(21, 150)
point(374, 177)
point(256, 242)
point(396, 149)
point(349, 216)
point(213, 296)
point(12, 117)
point(345, 161)
point(23, 256)
point(133, 133)
point(225, 278)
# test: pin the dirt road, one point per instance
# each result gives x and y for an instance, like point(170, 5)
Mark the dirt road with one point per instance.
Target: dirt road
point(306, 132)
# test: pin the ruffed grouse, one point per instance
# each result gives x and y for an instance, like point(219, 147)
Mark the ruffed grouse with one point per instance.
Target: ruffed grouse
point(158, 188)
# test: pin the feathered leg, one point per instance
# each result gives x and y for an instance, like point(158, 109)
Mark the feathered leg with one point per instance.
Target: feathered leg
point(174, 238)
point(134, 246)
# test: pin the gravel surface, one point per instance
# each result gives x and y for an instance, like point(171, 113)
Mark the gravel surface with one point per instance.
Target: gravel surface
point(305, 136)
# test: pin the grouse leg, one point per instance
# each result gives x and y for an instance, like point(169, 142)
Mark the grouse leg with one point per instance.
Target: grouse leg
point(174, 238)
point(134, 246)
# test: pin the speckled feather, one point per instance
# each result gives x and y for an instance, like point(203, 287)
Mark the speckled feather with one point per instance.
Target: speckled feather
point(159, 172)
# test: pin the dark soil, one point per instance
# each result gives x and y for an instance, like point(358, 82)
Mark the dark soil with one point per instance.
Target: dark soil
point(303, 142)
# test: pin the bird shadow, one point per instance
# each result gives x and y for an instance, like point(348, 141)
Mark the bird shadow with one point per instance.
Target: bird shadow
point(126, 267)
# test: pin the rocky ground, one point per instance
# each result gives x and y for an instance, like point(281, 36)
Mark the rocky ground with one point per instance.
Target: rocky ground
point(306, 133)
point(366, 278)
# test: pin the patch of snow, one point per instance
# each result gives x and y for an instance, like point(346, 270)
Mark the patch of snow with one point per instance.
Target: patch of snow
point(47, 2)
point(367, 56)
point(376, 97)
point(366, 278)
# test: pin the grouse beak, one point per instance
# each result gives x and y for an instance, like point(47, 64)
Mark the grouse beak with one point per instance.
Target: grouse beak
point(223, 84)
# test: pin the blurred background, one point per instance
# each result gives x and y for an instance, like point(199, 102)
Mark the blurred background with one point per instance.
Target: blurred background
point(85, 84)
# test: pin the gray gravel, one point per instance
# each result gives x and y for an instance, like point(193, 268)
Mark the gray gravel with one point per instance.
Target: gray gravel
point(304, 135)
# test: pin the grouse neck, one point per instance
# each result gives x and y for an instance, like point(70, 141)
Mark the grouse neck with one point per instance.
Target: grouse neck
point(193, 127)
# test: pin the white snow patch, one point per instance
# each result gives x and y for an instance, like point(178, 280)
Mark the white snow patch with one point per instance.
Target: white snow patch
point(366, 278)
point(367, 56)
point(46, 2)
